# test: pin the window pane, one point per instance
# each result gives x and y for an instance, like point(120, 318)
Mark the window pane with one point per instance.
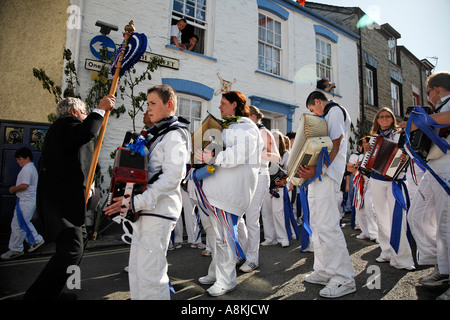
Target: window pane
point(262, 34)
point(276, 55)
point(261, 63)
point(196, 109)
point(269, 37)
point(269, 24)
point(178, 6)
point(268, 54)
point(184, 105)
point(260, 49)
point(277, 27)
point(278, 40)
point(268, 65)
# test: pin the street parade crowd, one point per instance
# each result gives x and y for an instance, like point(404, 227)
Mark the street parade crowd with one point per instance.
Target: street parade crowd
point(237, 181)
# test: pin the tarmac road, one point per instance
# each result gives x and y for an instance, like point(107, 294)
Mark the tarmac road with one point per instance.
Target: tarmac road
point(280, 275)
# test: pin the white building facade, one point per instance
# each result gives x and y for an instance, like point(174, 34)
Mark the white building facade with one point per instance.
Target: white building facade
point(273, 51)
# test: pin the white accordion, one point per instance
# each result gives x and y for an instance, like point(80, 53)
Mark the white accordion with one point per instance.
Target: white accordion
point(311, 137)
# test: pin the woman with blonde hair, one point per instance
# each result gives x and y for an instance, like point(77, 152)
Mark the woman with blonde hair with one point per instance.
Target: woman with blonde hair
point(384, 125)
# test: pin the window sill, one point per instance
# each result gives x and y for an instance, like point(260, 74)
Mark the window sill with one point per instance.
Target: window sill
point(330, 93)
point(170, 46)
point(273, 76)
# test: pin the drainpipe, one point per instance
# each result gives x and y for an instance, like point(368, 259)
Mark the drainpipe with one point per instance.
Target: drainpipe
point(361, 70)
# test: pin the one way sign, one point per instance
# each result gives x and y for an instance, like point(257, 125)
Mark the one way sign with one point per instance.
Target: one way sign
point(102, 41)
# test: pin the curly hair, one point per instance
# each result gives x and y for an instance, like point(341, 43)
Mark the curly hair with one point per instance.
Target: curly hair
point(65, 105)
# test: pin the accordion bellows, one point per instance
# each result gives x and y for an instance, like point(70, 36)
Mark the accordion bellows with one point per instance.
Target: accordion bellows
point(311, 137)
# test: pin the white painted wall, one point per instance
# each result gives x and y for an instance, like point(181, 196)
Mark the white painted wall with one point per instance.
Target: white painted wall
point(233, 42)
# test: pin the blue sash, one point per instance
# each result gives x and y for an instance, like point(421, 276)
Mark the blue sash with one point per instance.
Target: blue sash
point(397, 217)
point(23, 224)
point(289, 218)
point(306, 230)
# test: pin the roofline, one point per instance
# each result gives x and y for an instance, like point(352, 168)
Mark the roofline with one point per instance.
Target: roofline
point(317, 17)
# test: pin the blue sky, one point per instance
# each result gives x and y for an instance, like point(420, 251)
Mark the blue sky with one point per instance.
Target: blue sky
point(424, 25)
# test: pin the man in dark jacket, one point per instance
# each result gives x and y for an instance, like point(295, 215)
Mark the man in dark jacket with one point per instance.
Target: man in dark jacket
point(61, 202)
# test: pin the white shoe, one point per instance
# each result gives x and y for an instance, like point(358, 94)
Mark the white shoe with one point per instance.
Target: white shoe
point(434, 279)
point(35, 246)
point(316, 279)
point(207, 280)
point(217, 290)
point(361, 236)
point(248, 266)
point(268, 243)
point(11, 254)
point(336, 290)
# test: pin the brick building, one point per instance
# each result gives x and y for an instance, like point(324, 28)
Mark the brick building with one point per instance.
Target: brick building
point(389, 74)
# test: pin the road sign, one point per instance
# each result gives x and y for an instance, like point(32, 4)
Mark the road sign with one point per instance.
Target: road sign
point(102, 41)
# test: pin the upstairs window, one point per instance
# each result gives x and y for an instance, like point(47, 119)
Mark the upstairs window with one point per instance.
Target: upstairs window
point(392, 44)
point(395, 98)
point(194, 11)
point(324, 64)
point(269, 45)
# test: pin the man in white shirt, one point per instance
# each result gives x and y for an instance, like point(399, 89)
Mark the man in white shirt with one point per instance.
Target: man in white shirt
point(332, 265)
point(434, 240)
point(175, 34)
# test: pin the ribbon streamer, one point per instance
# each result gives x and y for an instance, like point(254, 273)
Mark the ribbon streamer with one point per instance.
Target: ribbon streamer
point(134, 50)
point(397, 217)
point(306, 230)
point(23, 224)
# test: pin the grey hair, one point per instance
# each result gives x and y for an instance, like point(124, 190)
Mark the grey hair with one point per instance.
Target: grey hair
point(65, 105)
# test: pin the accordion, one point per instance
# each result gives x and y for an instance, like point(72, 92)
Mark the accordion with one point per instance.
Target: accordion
point(129, 177)
point(311, 137)
point(277, 176)
point(208, 135)
point(384, 158)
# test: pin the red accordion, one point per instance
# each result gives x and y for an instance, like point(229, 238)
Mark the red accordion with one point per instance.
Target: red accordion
point(384, 158)
point(129, 176)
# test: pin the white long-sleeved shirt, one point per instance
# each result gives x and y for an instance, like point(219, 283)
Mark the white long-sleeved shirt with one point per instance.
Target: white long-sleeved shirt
point(233, 183)
point(169, 156)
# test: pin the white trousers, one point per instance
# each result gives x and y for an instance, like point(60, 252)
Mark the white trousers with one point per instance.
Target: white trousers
point(273, 219)
point(147, 263)
point(365, 217)
point(18, 235)
point(423, 222)
point(331, 257)
point(190, 221)
point(429, 219)
point(250, 238)
point(383, 203)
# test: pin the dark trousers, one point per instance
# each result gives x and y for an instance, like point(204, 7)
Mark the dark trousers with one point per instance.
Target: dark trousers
point(52, 279)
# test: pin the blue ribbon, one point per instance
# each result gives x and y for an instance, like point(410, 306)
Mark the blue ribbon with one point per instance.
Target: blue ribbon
point(239, 251)
point(136, 47)
point(23, 224)
point(397, 217)
point(138, 146)
point(425, 123)
point(306, 229)
point(289, 217)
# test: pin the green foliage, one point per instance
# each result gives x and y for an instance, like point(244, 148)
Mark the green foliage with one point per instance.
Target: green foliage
point(99, 88)
point(131, 81)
